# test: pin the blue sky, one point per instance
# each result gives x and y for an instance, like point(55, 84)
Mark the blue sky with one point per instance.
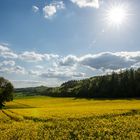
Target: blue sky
point(45, 42)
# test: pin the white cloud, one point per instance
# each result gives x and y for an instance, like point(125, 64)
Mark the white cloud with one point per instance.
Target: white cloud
point(36, 57)
point(8, 63)
point(86, 3)
point(9, 54)
point(12, 69)
point(57, 69)
point(35, 8)
point(130, 55)
point(105, 60)
point(31, 56)
point(68, 60)
point(5, 52)
point(51, 9)
point(51, 56)
point(4, 48)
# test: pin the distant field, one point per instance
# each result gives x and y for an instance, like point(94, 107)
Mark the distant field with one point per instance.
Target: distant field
point(69, 118)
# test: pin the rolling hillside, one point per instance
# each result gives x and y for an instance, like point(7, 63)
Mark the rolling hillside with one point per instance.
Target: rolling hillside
point(125, 84)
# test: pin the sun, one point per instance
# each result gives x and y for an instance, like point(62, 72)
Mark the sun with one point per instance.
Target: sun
point(116, 15)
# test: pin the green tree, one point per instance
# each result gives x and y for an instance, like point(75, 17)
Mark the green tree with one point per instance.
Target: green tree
point(6, 91)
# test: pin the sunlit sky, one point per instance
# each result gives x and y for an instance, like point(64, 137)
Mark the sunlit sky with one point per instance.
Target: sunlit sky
point(48, 42)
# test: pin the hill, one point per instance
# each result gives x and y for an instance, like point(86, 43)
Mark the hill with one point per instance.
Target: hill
point(125, 84)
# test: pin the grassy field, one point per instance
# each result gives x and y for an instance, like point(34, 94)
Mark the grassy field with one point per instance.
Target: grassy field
point(39, 118)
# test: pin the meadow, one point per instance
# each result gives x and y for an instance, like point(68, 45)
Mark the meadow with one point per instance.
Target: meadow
point(46, 118)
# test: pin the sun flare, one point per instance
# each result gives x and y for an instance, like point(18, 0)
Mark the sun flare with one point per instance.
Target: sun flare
point(116, 15)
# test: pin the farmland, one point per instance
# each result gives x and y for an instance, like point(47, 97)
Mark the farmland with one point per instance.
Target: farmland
point(42, 117)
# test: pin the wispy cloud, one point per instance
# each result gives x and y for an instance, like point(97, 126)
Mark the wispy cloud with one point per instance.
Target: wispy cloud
point(35, 8)
point(5, 52)
point(36, 57)
point(86, 3)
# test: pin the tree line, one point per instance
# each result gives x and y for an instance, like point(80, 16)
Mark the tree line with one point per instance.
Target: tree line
point(125, 84)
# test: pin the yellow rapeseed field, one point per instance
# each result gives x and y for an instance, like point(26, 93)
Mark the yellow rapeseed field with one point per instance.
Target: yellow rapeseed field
point(39, 118)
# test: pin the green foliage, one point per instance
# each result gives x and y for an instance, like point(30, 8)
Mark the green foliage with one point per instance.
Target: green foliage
point(125, 84)
point(6, 90)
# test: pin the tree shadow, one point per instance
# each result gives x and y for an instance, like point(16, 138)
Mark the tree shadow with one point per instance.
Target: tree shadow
point(104, 99)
